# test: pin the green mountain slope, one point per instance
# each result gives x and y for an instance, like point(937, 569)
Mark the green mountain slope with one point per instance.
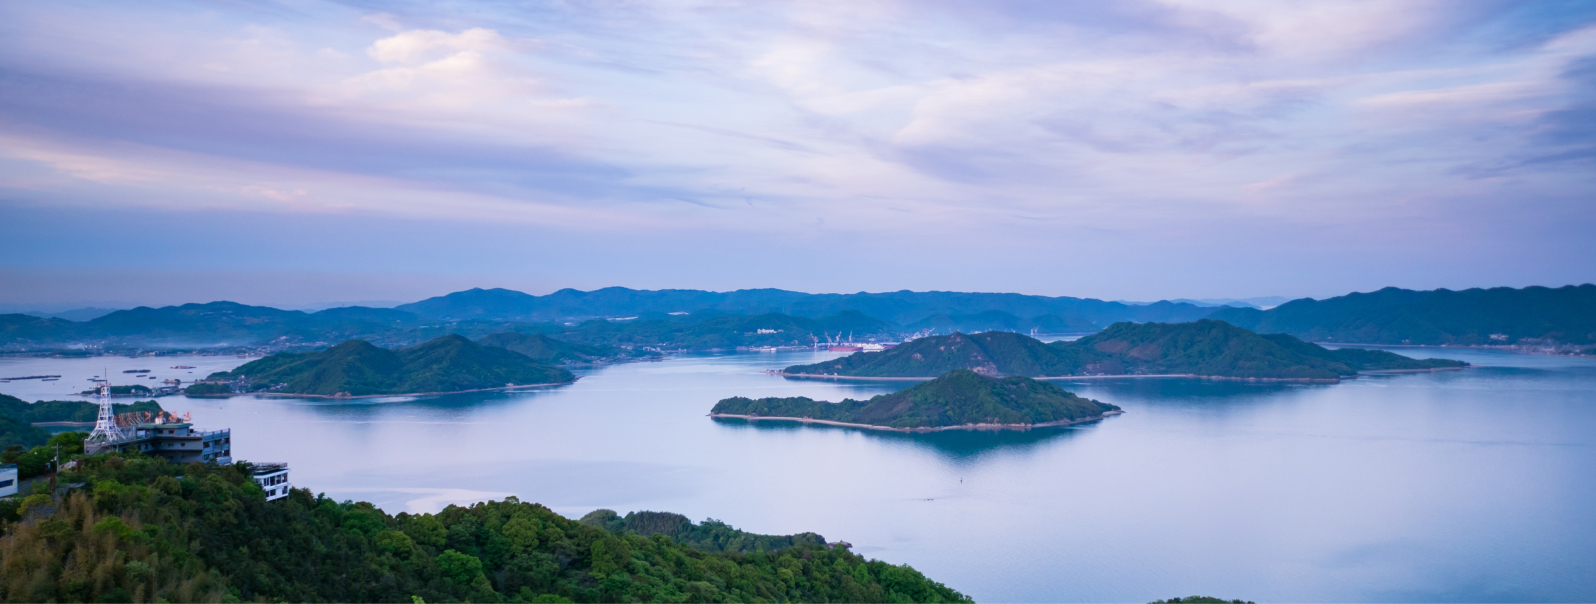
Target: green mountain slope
point(960, 398)
point(445, 364)
point(1399, 316)
point(711, 536)
point(544, 349)
point(1204, 347)
point(1216, 348)
point(989, 353)
point(144, 530)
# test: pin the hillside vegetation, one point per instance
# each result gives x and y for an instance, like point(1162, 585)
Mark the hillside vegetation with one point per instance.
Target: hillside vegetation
point(1204, 347)
point(357, 368)
point(960, 398)
point(710, 536)
point(144, 530)
point(18, 416)
point(544, 349)
point(1399, 316)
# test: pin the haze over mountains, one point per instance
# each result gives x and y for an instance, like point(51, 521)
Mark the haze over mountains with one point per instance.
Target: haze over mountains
point(900, 307)
point(768, 317)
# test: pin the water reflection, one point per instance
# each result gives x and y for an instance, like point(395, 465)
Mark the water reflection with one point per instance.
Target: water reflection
point(1469, 485)
point(958, 445)
point(1186, 391)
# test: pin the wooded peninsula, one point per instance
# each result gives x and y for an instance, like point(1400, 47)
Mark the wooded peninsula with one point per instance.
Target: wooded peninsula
point(1205, 348)
point(445, 364)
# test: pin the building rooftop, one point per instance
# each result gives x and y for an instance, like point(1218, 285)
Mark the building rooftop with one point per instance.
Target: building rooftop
point(268, 468)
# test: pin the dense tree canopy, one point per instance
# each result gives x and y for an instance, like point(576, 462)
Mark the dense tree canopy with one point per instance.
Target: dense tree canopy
point(960, 398)
point(142, 529)
point(445, 364)
point(1204, 347)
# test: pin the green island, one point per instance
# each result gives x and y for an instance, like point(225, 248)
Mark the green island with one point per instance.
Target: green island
point(961, 399)
point(544, 349)
point(1206, 348)
point(444, 364)
point(141, 529)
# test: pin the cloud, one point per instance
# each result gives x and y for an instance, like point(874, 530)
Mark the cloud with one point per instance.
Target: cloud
point(880, 120)
point(419, 45)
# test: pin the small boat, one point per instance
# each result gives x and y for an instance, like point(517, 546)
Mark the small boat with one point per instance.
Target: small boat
point(182, 366)
point(137, 371)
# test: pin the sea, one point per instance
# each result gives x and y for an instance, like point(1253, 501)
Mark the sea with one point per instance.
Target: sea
point(1462, 486)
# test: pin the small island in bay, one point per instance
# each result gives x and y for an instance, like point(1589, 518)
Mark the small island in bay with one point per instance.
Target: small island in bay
point(445, 364)
point(960, 400)
point(1204, 348)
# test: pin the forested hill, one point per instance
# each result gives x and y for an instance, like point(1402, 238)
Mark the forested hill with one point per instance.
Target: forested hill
point(1205, 348)
point(900, 307)
point(357, 368)
point(217, 324)
point(18, 416)
point(144, 530)
point(989, 353)
point(226, 324)
point(1217, 348)
point(544, 349)
point(1468, 317)
point(960, 398)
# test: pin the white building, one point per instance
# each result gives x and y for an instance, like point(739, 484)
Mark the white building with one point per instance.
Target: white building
point(273, 477)
point(8, 479)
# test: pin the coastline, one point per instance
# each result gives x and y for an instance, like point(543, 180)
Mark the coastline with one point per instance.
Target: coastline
point(994, 427)
point(821, 376)
point(352, 397)
point(814, 376)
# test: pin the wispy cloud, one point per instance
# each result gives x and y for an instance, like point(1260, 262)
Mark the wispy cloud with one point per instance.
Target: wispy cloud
point(884, 121)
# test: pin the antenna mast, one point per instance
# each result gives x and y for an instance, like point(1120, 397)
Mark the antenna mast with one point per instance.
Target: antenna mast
point(105, 427)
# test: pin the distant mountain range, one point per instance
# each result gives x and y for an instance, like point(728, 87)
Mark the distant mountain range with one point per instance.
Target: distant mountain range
point(1259, 302)
point(770, 317)
point(901, 307)
point(1500, 315)
point(76, 314)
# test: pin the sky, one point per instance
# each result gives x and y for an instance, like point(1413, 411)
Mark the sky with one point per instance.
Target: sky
point(304, 152)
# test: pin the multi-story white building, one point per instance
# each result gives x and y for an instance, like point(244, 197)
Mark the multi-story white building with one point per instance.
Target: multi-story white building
point(274, 478)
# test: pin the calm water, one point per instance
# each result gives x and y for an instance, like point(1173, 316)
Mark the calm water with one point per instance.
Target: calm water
point(1477, 485)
